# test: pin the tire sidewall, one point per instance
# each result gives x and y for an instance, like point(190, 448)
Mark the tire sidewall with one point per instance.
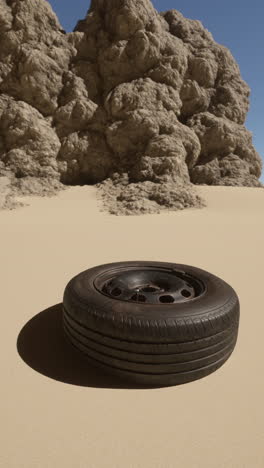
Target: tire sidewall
point(218, 306)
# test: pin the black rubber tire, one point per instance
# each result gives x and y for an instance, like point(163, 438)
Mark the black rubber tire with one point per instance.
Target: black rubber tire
point(152, 344)
point(155, 367)
point(146, 358)
point(150, 348)
point(154, 380)
point(206, 315)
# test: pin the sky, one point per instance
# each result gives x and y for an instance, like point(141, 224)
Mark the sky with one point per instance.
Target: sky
point(236, 24)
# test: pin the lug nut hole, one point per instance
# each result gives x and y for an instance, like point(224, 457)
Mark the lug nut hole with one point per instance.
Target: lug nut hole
point(185, 293)
point(166, 299)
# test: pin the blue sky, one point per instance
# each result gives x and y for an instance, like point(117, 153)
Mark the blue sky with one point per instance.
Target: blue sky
point(237, 24)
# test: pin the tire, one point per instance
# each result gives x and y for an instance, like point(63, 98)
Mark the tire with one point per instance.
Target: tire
point(156, 380)
point(149, 348)
point(158, 343)
point(154, 357)
point(143, 367)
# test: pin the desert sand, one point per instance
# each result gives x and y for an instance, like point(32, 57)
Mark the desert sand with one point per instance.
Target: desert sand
point(57, 410)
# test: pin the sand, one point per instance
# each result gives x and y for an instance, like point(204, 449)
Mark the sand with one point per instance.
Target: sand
point(56, 410)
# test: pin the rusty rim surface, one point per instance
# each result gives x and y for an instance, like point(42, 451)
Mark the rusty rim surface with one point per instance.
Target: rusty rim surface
point(151, 285)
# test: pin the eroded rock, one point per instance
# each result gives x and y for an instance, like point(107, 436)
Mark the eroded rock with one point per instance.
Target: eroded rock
point(142, 104)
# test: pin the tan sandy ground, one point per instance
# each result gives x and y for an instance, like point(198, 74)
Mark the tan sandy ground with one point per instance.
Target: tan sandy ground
point(215, 422)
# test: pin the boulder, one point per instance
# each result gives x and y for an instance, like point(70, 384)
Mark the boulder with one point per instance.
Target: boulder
point(129, 93)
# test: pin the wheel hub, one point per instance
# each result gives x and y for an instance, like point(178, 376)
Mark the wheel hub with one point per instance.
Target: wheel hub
point(150, 285)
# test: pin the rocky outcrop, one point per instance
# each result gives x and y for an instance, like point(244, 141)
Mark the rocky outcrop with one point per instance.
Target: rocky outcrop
point(142, 104)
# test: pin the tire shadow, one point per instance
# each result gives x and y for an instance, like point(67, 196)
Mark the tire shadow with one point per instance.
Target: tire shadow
point(42, 346)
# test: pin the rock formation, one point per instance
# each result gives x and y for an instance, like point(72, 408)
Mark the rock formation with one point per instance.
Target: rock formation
point(142, 104)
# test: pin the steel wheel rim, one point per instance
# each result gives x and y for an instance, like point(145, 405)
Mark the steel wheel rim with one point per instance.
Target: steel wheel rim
point(150, 285)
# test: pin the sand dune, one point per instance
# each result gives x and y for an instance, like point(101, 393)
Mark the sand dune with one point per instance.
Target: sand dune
point(56, 410)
